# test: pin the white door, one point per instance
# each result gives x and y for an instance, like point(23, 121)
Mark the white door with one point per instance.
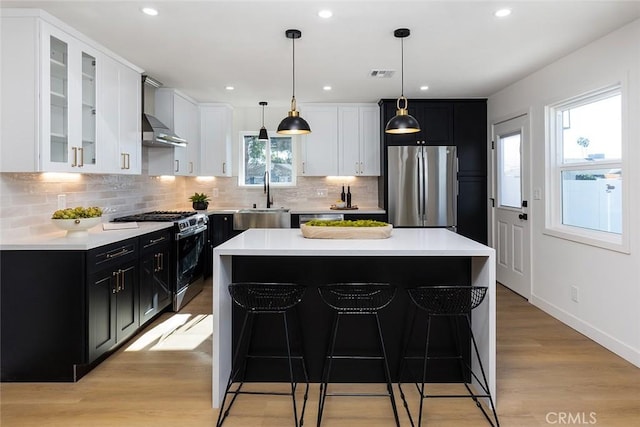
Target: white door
point(511, 223)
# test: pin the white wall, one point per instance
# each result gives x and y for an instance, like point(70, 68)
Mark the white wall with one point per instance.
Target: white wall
point(608, 310)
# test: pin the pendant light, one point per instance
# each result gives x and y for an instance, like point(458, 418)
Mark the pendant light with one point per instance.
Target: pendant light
point(263, 136)
point(402, 122)
point(293, 124)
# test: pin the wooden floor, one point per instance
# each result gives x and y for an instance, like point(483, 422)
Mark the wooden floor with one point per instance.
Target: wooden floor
point(547, 373)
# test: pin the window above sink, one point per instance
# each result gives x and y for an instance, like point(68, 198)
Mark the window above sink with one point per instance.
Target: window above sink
point(277, 156)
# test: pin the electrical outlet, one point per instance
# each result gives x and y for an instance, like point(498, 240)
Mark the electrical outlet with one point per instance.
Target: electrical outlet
point(574, 293)
point(537, 193)
point(321, 192)
point(215, 192)
point(62, 201)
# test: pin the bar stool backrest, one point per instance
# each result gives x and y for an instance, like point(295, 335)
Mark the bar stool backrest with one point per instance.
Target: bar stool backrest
point(266, 297)
point(357, 297)
point(447, 299)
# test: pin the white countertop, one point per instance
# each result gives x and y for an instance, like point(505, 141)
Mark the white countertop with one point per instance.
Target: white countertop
point(312, 210)
point(403, 242)
point(96, 237)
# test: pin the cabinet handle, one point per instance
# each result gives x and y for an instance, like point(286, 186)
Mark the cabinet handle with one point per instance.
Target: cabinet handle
point(177, 165)
point(161, 261)
point(361, 169)
point(152, 241)
point(357, 168)
point(81, 151)
point(117, 254)
point(75, 157)
point(126, 161)
point(190, 167)
point(303, 171)
point(116, 289)
point(224, 167)
point(122, 281)
point(155, 262)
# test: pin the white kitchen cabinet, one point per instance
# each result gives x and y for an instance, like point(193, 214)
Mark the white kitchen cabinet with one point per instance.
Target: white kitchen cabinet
point(54, 103)
point(359, 140)
point(345, 140)
point(118, 119)
point(320, 147)
point(130, 153)
point(216, 124)
point(180, 114)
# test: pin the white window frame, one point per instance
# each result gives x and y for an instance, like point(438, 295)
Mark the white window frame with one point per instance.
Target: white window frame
point(241, 170)
point(555, 167)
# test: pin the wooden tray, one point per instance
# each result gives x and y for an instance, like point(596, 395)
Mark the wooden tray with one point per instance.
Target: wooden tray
point(320, 232)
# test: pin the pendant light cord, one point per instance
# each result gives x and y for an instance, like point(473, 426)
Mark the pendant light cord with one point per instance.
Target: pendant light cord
point(293, 80)
point(293, 40)
point(402, 67)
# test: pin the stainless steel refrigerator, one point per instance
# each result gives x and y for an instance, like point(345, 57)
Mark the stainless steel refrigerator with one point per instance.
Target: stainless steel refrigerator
point(422, 186)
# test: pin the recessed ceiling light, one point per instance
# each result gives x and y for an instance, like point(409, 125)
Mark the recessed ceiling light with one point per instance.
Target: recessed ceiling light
point(424, 87)
point(326, 88)
point(229, 87)
point(501, 13)
point(326, 13)
point(149, 11)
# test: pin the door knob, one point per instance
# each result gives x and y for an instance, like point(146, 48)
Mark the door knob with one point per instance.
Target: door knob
point(523, 216)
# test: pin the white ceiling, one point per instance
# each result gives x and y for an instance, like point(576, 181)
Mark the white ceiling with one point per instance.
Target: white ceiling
point(457, 48)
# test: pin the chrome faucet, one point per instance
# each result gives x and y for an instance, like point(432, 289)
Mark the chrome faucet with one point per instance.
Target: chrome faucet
point(266, 189)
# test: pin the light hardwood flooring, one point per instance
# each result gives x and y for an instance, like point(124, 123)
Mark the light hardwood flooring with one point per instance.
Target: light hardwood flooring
point(545, 371)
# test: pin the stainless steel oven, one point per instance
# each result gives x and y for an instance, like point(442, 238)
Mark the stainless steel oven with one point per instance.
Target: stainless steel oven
point(190, 246)
point(188, 254)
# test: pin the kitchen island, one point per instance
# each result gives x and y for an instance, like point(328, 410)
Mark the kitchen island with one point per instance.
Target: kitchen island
point(410, 257)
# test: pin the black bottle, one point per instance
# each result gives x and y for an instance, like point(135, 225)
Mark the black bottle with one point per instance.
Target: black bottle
point(348, 196)
point(342, 197)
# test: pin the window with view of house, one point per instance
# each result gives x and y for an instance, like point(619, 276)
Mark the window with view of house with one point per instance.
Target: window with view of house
point(275, 156)
point(586, 184)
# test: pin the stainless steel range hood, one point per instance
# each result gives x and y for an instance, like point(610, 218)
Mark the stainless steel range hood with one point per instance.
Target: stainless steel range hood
point(154, 132)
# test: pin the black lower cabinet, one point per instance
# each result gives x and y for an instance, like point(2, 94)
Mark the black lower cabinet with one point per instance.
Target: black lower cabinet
point(220, 230)
point(43, 324)
point(155, 291)
point(113, 296)
point(62, 312)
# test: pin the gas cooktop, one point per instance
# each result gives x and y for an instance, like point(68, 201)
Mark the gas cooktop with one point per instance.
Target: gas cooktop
point(157, 216)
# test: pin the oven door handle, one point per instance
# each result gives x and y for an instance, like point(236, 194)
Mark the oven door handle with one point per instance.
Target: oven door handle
point(190, 233)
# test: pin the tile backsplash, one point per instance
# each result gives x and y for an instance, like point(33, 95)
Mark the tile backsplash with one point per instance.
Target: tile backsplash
point(27, 200)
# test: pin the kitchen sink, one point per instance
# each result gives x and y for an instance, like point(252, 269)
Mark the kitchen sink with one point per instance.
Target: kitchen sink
point(244, 219)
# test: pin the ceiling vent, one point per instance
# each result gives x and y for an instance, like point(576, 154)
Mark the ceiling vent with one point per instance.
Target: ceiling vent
point(382, 74)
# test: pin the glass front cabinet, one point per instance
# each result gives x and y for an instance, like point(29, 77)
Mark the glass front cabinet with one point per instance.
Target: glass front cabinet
point(68, 104)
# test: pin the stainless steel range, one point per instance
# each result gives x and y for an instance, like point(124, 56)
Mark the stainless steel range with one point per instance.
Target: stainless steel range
point(189, 239)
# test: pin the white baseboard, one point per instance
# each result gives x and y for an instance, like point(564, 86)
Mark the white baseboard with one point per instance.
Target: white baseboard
point(623, 350)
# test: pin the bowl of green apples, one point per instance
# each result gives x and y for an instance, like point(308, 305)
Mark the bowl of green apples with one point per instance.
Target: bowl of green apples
point(77, 221)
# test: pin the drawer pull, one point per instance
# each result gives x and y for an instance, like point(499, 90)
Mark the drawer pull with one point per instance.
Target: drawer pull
point(123, 251)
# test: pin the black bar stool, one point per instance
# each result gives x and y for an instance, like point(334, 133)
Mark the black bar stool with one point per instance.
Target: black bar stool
point(455, 302)
point(264, 299)
point(355, 299)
